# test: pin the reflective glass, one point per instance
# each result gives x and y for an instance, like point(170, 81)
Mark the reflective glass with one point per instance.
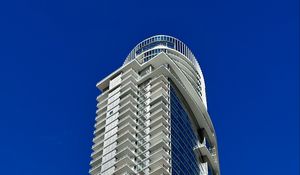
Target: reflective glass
point(183, 139)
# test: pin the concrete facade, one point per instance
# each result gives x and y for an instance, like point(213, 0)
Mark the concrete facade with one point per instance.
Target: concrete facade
point(133, 131)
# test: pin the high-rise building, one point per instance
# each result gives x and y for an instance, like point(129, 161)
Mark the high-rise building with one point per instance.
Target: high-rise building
point(152, 115)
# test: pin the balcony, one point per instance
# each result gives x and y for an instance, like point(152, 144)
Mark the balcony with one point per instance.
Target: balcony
point(126, 106)
point(160, 78)
point(125, 160)
point(102, 103)
point(159, 166)
point(159, 153)
point(128, 98)
point(128, 85)
point(102, 96)
point(99, 123)
point(127, 127)
point(159, 128)
point(126, 135)
point(98, 145)
point(98, 152)
point(125, 151)
point(207, 155)
point(96, 161)
point(130, 72)
point(159, 120)
point(100, 116)
point(128, 112)
point(125, 169)
point(163, 169)
point(101, 110)
point(159, 84)
point(98, 138)
point(156, 142)
point(160, 143)
point(127, 119)
point(95, 170)
point(159, 105)
point(126, 143)
point(163, 161)
point(128, 79)
point(158, 114)
point(159, 94)
point(99, 130)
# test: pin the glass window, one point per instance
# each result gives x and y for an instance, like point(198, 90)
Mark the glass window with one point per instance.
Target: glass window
point(183, 138)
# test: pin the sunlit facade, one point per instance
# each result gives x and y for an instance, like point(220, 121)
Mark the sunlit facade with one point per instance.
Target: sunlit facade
point(152, 115)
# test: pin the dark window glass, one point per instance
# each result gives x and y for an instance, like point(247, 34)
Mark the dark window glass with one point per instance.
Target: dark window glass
point(183, 139)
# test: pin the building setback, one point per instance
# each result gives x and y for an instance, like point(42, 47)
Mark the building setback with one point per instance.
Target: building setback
point(152, 115)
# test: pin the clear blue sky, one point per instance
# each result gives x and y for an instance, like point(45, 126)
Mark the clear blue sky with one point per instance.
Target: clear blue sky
point(52, 53)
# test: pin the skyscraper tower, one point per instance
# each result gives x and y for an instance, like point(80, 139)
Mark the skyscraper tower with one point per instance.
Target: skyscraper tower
point(152, 115)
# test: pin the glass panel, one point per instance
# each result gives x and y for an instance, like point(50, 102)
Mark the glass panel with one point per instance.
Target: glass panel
point(183, 139)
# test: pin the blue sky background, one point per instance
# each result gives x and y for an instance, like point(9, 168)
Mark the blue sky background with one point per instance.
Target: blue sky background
point(52, 53)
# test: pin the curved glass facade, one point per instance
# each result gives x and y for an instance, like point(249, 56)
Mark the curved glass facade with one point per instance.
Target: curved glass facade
point(168, 42)
point(183, 139)
point(178, 52)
